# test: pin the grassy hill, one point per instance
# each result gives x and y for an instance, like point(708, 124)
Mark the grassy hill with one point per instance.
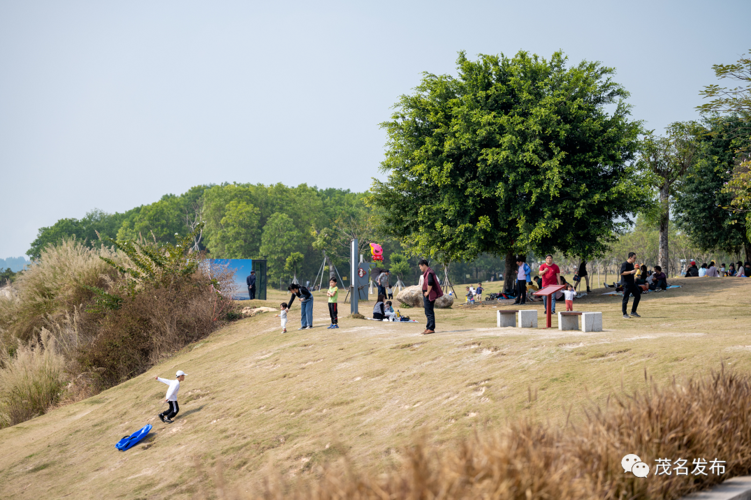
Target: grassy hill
point(260, 402)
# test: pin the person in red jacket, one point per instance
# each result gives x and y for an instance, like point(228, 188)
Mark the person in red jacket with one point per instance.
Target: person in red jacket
point(551, 275)
point(431, 291)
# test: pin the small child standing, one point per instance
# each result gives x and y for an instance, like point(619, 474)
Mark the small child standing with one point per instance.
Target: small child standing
point(569, 293)
point(333, 295)
point(171, 397)
point(283, 315)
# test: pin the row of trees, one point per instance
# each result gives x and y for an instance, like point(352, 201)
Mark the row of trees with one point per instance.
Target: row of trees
point(518, 155)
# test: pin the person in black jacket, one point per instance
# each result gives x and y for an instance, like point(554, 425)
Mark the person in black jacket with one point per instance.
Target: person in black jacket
point(251, 281)
point(306, 305)
point(629, 286)
point(692, 271)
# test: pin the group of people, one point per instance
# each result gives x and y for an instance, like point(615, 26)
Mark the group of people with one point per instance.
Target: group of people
point(474, 294)
point(741, 270)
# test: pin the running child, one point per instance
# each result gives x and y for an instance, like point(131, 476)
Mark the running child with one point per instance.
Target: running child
point(333, 295)
point(283, 315)
point(569, 293)
point(171, 397)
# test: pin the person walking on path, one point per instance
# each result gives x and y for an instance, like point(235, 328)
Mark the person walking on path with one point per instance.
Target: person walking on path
point(629, 286)
point(551, 275)
point(333, 295)
point(306, 305)
point(251, 281)
point(523, 276)
point(431, 291)
point(171, 397)
point(583, 275)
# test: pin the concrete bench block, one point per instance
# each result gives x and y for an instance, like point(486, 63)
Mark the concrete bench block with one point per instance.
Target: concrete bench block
point(568, 322)
point(506, 319)
point(592, 322)
point(527, 319)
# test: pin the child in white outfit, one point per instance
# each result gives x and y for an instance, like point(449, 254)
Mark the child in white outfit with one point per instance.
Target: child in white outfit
point(283, 315)
point(171, 397)
point(569, 293)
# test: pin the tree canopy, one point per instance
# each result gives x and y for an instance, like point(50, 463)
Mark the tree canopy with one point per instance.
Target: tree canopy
point(511, 155)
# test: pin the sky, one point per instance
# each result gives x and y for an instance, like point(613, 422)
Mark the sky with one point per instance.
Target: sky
point(111, 105)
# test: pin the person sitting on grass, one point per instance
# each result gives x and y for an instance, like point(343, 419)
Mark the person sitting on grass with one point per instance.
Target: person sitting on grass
point(740, 271)
point(641, 275)
point(692, 270)
point(390, 314)
point(470, 296)
point(659, 279)
point(731, 270)
point(712, 271)
point(379, 310)
point(703, 270)
point(747, 269)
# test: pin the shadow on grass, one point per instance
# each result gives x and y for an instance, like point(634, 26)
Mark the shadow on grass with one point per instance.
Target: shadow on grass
point(190, 412)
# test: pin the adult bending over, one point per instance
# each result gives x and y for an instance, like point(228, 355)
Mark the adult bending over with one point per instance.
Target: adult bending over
point(306, 305)
point(629, 287)
point(431, 291)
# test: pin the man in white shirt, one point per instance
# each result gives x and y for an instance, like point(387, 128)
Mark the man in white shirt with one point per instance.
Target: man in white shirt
point(171, 397)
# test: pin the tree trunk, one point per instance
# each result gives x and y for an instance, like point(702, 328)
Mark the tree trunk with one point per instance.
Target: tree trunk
point(509, 275)
point(747, 247)
point(662, 258)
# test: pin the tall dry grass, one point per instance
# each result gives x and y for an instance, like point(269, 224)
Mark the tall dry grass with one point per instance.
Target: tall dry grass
point(56, 317)
point(31, 381)
point(52, 287)
point(704, 418)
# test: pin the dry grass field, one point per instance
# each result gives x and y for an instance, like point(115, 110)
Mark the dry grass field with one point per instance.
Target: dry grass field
point(260, 402)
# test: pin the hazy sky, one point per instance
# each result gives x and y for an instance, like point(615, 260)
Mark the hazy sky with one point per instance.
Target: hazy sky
point(111, 105)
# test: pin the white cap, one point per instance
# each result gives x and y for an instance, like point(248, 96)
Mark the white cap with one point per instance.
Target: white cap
point(180, 373)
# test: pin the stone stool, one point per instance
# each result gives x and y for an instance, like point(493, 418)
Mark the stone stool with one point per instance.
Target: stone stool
point(592, 322)
point(528, 318)
point(507, 317)
point(568, 320)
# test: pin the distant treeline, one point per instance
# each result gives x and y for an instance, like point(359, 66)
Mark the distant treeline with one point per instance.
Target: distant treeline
point(258, 221)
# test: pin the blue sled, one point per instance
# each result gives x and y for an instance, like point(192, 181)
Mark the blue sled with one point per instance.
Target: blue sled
point(129, 442)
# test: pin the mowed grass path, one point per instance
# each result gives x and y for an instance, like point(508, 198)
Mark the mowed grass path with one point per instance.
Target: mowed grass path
point(256, 400)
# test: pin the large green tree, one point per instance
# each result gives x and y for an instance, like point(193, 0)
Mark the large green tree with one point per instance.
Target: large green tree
point(667, 159)
point(734, 101)
point(513, 154)
point(700, 199)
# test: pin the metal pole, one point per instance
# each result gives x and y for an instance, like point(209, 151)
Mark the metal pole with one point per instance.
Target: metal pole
point(354, 297)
